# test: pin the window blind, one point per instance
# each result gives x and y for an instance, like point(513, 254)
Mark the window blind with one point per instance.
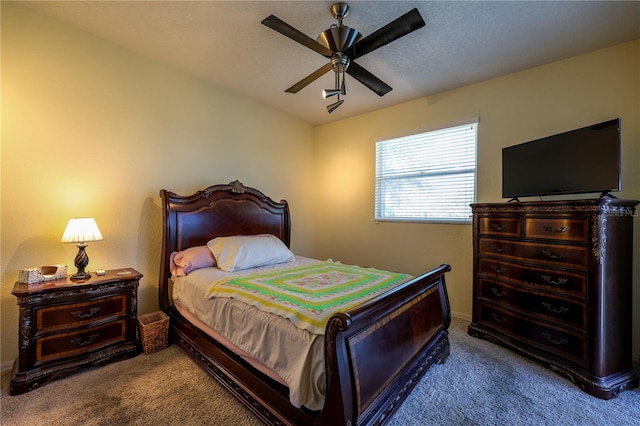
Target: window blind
point(428, 176)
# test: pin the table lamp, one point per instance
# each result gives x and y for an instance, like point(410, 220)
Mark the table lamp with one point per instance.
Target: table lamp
point(80, 230)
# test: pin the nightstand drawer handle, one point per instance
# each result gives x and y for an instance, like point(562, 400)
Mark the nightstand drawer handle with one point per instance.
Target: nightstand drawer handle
point(551, 255)
point(559, 230)
point(558, 341)
point(498, 319)
point(559, 281)
point(80, 342)
point(498, 226)
point(80, 314)
point(560, 310)
point(498, 292)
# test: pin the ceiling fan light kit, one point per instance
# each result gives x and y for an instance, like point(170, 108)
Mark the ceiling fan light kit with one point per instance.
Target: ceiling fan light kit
point(342, 45)
point(332, 107)
point(340, 89)
point(327, 93)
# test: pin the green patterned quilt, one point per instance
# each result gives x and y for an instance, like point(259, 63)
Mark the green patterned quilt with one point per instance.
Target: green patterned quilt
point(308, 295)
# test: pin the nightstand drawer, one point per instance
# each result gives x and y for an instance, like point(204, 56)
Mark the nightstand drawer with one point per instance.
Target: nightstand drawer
point(63, 316)
point(557, 229)
point(64, 345)
point(537, 335)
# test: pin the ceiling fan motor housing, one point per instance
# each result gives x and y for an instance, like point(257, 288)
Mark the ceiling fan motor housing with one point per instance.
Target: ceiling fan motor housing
point(339, 38)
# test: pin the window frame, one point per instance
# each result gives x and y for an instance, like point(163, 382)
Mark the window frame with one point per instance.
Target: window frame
point(422, 174)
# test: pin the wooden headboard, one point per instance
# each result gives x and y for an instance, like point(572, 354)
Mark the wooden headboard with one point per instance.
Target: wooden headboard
point(217, 211)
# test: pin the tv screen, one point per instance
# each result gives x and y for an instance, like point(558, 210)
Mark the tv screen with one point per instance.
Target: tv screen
point(579, 161)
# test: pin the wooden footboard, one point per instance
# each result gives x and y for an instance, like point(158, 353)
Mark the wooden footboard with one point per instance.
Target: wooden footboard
point(377, 353)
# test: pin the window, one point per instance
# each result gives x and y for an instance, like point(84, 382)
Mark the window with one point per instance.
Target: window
point(428, 177)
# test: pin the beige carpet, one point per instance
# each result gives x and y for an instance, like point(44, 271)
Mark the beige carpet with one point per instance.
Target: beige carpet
point(165, 388)
point(480, 384)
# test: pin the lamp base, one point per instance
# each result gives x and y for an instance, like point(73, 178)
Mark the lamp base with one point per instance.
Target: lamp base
point(81, 261)
point(80, 276)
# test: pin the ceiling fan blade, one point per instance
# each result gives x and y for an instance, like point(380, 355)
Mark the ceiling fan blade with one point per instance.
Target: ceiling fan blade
point(309, 79)
point(368, 79)
point(287, 30)
point(402, 26)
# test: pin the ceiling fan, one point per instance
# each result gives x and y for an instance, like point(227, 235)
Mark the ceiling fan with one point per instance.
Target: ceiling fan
point(342, 45)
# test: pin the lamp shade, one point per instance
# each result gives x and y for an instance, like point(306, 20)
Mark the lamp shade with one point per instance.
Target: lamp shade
point(81, 230)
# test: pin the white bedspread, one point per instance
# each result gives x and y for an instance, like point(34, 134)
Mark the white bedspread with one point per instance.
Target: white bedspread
point(295, 355)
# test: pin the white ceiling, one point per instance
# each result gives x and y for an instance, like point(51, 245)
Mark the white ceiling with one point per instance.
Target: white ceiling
point(463, 42)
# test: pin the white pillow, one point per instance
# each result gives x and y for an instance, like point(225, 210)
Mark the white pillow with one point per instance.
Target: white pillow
point(248, 251)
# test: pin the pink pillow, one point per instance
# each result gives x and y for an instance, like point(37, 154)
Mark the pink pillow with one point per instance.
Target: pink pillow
point(181, 263)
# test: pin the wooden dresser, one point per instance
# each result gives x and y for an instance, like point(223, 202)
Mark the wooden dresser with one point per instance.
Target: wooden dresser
point(65, 325)
point(554, 280)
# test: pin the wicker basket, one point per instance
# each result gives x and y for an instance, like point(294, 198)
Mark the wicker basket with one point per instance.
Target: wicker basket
point(154, 331)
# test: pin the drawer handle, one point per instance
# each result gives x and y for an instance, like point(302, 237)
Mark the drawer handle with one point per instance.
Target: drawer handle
point(559, 230)
point(498, 269)
point(560, 310)
point(81, 342)
point(499, 320)
point(551, 255)
point(80, 314)
point(501, 249)
point(498, 292)
point(557, 341)
point(559, 281)
point(498, 226)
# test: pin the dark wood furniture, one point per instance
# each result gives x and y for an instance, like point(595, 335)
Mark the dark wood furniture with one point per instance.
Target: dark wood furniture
point(65, 325)
point(375, 354)
point(554, 280)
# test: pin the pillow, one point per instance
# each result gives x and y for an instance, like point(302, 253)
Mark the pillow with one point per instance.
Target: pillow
point(248, 251)
point(181, 263)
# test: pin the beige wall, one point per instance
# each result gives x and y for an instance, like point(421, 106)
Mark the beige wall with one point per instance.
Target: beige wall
point(90, 129)
point(516, 108)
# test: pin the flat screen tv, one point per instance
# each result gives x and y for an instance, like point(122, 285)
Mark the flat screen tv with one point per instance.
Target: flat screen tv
point(579, 161)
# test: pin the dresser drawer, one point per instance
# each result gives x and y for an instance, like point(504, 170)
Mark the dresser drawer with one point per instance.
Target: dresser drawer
point(570, 312)
point(77, 342)
point(500, 226)
point(64, 316)
point(550, 254)
point(546, 279)
point(558, 341)
point(557, 229)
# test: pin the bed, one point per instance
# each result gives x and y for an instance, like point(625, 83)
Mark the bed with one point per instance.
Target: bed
point(373, 354)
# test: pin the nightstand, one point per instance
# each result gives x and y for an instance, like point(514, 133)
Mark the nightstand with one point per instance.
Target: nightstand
point(65, 325)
